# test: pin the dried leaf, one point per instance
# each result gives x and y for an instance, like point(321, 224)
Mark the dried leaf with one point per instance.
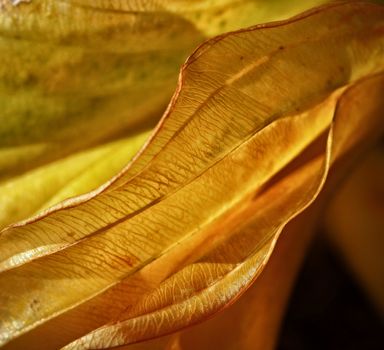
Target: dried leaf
point(55, 58)
point(244, 146)
point(76, 73)
point(213, 17)
point(247, 238)
point(252, 322)
point(79, 173)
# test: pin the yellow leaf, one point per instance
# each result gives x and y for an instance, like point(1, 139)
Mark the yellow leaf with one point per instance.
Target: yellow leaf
point(247, 237)
point(79, 173)
point(73, 75)
point(213, 17)
point(245, 145)
point(77, 73)
point(253, 321)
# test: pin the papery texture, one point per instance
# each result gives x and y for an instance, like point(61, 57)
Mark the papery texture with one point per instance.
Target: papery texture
point(24, 195)
point(245, 145)
point(77, 73)
point(74, 74)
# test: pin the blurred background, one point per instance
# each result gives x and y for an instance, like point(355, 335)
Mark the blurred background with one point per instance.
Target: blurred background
point(328, 309)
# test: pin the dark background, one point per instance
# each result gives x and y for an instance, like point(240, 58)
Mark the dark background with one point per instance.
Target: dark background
point(328, 310)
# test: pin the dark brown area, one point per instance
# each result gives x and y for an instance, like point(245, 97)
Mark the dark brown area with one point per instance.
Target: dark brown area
point(328, 310)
